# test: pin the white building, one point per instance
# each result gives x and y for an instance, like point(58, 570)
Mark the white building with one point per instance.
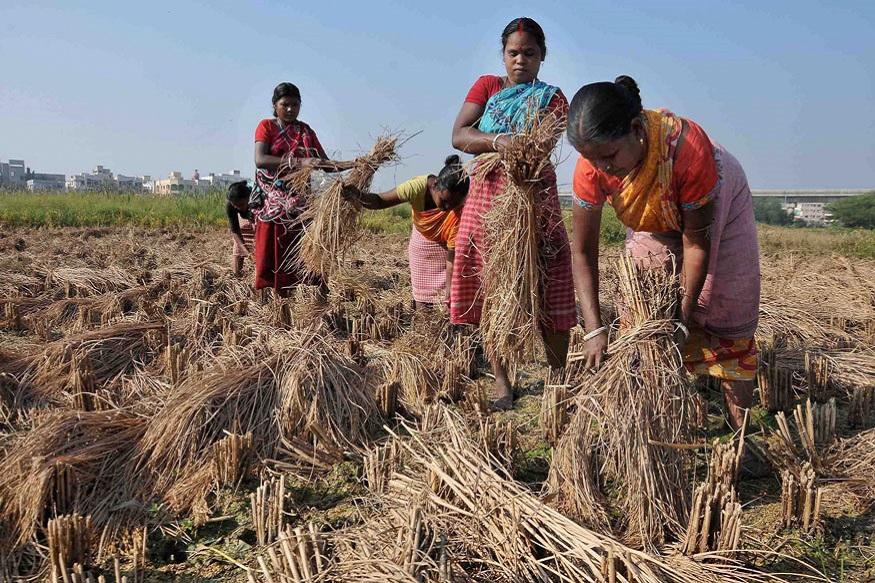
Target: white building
point(221, 181)
point(174, 184)
point(100, 179)
point(123, 182)
point(41, 181)
point(812, 213)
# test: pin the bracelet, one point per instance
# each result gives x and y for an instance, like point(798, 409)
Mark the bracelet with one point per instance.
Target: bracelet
point(590, 335)
point(683, 329)
point(495, 139)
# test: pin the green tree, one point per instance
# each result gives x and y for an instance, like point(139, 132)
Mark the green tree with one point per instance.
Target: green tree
point(855, 211)
point(769, 211)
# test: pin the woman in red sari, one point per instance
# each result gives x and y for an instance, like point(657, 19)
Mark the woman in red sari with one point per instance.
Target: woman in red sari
point(494, 109)
point(283, 143)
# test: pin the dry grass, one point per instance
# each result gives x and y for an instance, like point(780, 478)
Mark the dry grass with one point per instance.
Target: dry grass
point(230, 384)
point(513, 261)
point(633, 418)
point(332, 220)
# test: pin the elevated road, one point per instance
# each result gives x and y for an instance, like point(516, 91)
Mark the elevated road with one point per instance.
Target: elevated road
point(787, 195)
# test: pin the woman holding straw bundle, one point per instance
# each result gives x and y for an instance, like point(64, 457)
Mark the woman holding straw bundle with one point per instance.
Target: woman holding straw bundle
point(681, 196)
point(495, 108)
point(436, 202)
point(283, 144)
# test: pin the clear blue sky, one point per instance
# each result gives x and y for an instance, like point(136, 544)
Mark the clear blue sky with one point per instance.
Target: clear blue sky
point(149, 87)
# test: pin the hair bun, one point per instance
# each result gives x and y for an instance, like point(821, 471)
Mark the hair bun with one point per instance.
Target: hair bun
point(452, 160)
point(629, 84)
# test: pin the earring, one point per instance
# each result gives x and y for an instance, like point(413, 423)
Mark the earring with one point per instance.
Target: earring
point(641, 141)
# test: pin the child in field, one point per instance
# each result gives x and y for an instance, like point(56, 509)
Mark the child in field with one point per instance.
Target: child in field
point(241, 223)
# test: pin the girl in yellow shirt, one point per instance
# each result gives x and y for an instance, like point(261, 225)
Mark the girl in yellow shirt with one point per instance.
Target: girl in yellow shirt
point(436, 202)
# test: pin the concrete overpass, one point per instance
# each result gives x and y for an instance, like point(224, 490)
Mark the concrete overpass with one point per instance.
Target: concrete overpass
point(788, 195)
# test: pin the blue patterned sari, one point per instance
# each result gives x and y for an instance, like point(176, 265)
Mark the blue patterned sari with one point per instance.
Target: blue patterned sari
point(512, 108)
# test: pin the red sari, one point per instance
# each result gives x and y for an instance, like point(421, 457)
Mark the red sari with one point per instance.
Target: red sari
point(278, 228)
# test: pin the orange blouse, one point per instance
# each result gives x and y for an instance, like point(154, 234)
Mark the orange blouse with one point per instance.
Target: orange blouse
point(684, 150)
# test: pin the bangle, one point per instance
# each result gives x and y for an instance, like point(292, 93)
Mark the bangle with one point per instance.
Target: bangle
point(496, 139)
point(683, 329)
point(590, 335)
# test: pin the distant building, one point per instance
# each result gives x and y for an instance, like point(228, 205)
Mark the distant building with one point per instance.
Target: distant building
point(221, 181)
point(174, 184)
point(100, 179)
point(812, 213)
point(123, 182)
point(13, 174)
point(41, 181)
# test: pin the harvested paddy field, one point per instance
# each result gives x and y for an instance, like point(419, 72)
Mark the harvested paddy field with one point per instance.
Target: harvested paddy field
point(161, 421)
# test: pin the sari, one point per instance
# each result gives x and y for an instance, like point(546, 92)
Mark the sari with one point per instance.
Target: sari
point(278, 228)
point(684, 170)
point(510, 110)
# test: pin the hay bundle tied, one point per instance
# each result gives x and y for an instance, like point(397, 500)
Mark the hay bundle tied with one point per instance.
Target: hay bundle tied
point(292, 385)
point(501, 531)
point(72, 461)
point(513, 265)
point(332, 220)
point(634, 423)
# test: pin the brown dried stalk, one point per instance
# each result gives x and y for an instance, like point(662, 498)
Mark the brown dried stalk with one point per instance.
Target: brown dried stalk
point(499, 527)
point(632, 423)
point(800, 498)
point(332, 220)
point(70, 461)
point(513, 266)
point(862, 409)
point(267, 505)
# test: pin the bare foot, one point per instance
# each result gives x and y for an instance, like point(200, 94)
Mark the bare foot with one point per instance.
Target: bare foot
point(502, 392)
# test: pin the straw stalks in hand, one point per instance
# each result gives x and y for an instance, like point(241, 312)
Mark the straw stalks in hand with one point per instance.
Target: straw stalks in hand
point(634, 420)
point(332, 220)
point(513, 259)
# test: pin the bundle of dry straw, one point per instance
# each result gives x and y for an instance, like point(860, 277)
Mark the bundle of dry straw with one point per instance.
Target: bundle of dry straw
point(331, 220)
point(72, 461)
point(633, 422)
point(513, 265)
point(472, 519)
point(71, 371)
point(294, 385)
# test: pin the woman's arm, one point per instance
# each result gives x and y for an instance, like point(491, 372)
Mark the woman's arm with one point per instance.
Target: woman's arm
point(586, 225)
point(697, 247)
point(234, 227)
point(264, 160)
point(467, 138)
point(372, 200)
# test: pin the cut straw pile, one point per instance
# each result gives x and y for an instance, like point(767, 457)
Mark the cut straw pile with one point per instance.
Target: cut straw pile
point(513, 266)
point(297, 385)
point(450, 515)
point(633, 420)
point(331, 220)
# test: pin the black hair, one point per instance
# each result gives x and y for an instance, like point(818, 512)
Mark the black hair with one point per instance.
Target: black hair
point(528, 25)
point(452, 176)
point(600, 112)
point(285, 90)
point(239, 191)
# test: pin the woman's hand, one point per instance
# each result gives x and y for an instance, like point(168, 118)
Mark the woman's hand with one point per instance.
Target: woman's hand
point(594, 350)
point(351, 193)
point(310, 163)
point(502, 142)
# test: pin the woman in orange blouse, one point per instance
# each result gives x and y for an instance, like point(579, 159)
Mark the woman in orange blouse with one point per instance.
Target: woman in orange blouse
point(436, 202)
point(680, 195)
